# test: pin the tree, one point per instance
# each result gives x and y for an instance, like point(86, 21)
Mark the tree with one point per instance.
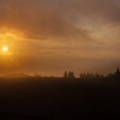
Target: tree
point(65, 74)
point(71, 74)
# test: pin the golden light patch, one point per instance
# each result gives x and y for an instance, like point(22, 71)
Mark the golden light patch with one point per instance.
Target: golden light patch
point(8, 36)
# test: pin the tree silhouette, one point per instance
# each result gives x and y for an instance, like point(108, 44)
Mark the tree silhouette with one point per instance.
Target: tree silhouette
point(65, 74)
point(70, 74)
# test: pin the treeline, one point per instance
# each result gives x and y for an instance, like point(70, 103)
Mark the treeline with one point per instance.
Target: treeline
point(68, 74)
point(91, 75)
point(84, 75)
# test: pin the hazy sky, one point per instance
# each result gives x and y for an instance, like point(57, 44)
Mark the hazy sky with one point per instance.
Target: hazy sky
point(52, 36)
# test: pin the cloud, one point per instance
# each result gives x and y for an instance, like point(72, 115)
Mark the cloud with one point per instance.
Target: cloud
point(43, 22)
point(44, 19)
point(86, 28)
point(106, 9)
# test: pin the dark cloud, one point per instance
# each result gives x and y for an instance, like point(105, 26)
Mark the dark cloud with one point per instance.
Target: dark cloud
point(39, 21)
point(52, 19)
point(106, 9)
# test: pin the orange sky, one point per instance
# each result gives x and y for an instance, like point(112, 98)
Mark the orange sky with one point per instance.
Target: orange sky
point(51, 36)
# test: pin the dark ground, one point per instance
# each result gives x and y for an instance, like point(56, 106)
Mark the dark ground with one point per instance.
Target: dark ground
point(59, 99)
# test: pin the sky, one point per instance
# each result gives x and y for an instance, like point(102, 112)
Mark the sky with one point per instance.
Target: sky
point(53, 36)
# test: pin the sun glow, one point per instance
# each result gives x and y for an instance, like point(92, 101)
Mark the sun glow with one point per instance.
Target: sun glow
point(5, 49)
point(9, 39)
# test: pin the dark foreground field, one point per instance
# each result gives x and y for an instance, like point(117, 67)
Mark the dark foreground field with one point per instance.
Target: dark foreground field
point(58, 99)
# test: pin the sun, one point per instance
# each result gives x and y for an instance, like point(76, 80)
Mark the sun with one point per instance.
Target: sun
point(5, 51)
point(5, 48)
